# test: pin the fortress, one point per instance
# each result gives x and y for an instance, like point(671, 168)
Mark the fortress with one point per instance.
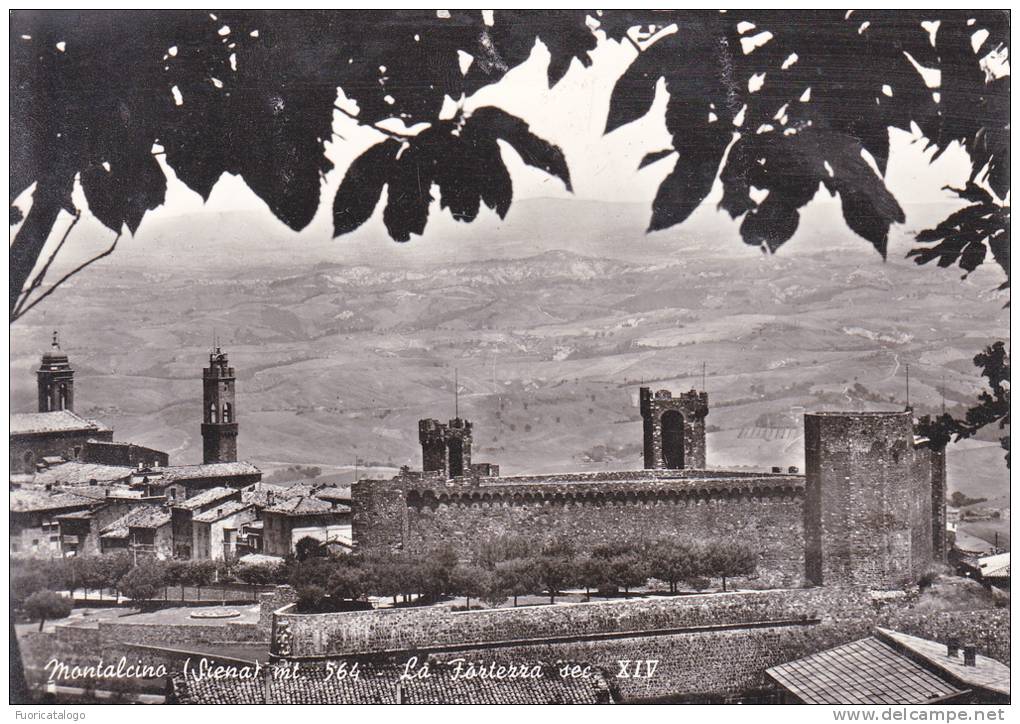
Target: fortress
point(869, 510)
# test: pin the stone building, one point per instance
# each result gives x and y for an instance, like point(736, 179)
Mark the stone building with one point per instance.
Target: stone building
point(865, 513)
point(145, 531)
point(183, 514)
point(80, 531)
point(59, 435)
point(126, 454)
point(217, 532)
point(55, 432)
point(180, 482)
point(34, 518)
point(289, 520)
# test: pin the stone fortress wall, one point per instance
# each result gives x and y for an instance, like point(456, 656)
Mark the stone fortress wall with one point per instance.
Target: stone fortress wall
point(869, 510)
point(763, 510)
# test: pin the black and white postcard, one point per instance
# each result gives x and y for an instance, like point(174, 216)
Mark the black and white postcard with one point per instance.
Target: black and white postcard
point(509, 357)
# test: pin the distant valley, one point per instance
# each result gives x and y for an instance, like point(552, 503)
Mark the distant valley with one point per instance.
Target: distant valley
point(338, 359)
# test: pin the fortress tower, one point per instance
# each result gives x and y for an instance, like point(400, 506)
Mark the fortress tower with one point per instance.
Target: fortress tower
point(219, 428)
point(867, 500)
point(674, 429)
point(445, 449)
point(56, 380)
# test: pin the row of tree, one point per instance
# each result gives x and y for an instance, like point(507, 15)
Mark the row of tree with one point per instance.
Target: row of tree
point(509, 567)
point(501, 568)
point(139, 580)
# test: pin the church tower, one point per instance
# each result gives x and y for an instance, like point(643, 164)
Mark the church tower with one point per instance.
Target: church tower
point(56, 380)
point(219, 429)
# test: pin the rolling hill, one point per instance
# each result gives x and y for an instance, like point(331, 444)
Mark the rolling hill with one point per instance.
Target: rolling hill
point(337, 358)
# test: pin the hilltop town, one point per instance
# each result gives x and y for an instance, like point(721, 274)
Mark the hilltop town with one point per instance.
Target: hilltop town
point(859, 539)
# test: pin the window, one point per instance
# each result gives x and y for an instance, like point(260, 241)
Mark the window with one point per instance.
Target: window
point(227, 412)
point(213, 415)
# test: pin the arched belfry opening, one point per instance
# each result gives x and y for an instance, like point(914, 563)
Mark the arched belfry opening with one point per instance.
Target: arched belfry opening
point(673, 440)
point(56, 380)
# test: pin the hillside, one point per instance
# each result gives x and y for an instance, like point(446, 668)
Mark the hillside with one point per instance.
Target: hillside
point(338, 361)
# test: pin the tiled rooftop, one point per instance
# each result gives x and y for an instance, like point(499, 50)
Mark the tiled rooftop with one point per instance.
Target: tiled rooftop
point(221, 511)
point(149, 516)
point(102, 492)
point(333, 493)
point(206, 497)
point(75, 473)
point(175, 473)
point(867, 671)
point(985, 674)
point(260, 493)
point(28, 500)
point(996, 566)
point(304, 505)
point(27, 423)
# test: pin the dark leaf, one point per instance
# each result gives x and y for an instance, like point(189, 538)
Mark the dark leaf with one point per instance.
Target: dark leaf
point(494, 183)
point(651, 158)
point(633, 93)
point(770, 224)
point(362, 186)
point(133, 185)
point(533, 150)
point(687, 185)
point(407, 195)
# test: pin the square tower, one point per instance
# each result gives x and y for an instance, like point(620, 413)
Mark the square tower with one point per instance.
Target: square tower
point(674, 429)
point(446, 449)
point(867, 505)
point(219, 426)
point(56, 380)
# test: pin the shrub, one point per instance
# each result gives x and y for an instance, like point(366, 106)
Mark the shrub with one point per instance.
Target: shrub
point(309, 547)
point(25, 583)
point(471, 581)
point(142, 582)
point(515, 578)
point(45, 605)
point(346, 582)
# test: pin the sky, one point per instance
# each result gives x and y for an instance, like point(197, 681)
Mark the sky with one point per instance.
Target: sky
point(571, 115)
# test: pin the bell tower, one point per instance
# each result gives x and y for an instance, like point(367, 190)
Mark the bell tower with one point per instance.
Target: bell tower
point(56, 380)
point(219, 426)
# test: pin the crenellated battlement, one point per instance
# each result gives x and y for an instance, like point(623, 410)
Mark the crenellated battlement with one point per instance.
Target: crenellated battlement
point(869, 509)
point(621, 492)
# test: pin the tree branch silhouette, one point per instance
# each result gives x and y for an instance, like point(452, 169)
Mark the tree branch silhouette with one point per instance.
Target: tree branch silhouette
point(67, 276)
point(38, 280)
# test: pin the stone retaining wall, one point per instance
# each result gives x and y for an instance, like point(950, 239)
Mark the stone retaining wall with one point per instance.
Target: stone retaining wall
point(301, 636)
